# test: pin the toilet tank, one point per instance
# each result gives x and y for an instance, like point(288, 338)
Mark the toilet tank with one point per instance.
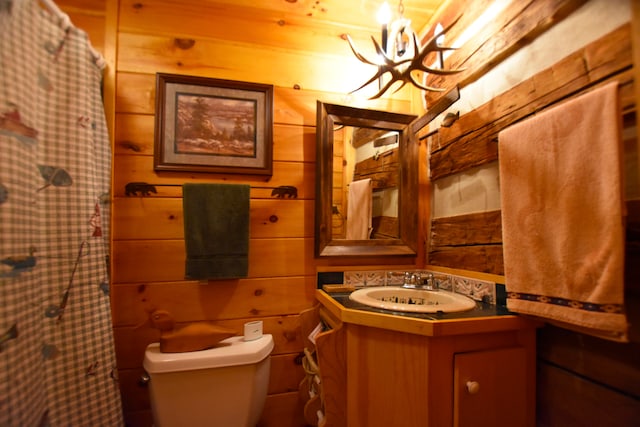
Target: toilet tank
point(223, 386)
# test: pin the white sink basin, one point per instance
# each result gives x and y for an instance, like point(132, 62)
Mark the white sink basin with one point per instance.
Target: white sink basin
point(397, 298)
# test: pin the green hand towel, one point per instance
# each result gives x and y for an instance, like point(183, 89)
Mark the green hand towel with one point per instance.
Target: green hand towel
point(216, 230)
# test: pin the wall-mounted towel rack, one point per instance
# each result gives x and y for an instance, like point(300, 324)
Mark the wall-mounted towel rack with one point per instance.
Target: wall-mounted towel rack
point(145, 189)
point(439, 107)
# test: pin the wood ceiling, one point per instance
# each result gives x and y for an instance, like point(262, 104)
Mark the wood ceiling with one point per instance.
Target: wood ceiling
point(350, 15)
point(356, 14)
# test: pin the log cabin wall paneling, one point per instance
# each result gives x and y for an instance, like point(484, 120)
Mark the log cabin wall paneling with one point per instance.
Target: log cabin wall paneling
point(305, 60)
point(148, 251)
point(581, 380)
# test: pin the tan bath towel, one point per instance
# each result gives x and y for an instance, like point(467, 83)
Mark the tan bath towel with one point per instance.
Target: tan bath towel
point(359, 210)
point(562, 215)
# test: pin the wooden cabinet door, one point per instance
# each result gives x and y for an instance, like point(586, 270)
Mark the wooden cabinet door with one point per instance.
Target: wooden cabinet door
point(490, 388)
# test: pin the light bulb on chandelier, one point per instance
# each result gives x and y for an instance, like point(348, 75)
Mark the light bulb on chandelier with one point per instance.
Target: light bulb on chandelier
point(400, 54)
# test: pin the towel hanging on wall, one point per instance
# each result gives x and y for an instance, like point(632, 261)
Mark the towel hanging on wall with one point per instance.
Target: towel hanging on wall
point(562, 215)
point(216, 230)
point(359, 210)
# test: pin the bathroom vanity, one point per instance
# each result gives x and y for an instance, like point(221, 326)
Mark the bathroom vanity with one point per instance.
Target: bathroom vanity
point(392, 369)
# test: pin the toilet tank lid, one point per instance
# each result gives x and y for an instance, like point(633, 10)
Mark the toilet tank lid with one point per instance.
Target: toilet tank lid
point(232, 351)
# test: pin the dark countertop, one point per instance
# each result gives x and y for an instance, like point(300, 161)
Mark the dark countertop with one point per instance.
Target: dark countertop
point(336, 308)
point(482, 309)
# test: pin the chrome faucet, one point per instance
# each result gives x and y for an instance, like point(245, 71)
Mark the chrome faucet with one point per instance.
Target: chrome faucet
point(418, 281)
point(410, 280)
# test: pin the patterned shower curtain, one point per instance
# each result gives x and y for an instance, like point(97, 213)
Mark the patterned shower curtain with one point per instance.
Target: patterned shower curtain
point(57, 359)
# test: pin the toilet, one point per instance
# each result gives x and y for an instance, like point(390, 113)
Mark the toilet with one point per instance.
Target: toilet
point(225, 386)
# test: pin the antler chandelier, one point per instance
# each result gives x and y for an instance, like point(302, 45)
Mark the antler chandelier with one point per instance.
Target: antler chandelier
point(401, 54)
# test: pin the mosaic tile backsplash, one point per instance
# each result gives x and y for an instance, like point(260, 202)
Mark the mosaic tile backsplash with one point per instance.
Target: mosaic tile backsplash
point(479, 290)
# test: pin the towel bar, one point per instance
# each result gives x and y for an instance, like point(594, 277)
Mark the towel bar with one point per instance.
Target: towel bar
point(145, 189)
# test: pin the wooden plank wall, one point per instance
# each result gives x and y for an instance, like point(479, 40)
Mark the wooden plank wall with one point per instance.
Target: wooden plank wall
point(590, 376)
point(581, 380)
point(148, 253)
point(147, 232)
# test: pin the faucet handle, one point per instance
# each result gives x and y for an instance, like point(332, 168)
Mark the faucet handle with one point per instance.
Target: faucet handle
point(430, 283)
point(409, 280)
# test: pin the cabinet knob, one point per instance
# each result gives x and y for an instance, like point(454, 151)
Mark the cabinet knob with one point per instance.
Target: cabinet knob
point(473, 387)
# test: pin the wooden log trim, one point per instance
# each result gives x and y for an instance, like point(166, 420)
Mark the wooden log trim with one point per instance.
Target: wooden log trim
point(474, 242)
point(565, 399)
point(471, 229)
point(592, 357)
point(482, 258)
point(471, 242)
point(470, 142)
point(519, 24)
point(385, 227)
point(381, 169)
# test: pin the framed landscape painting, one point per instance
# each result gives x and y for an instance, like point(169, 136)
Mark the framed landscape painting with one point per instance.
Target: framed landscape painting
point(213, 125)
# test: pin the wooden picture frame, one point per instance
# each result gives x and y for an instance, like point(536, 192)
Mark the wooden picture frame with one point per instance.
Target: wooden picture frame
point(212, 125)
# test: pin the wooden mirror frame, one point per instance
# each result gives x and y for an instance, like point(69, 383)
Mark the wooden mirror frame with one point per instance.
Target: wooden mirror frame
point(328, 116)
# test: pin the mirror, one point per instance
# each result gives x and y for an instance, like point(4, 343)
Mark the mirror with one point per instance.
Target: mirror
point(366, 183)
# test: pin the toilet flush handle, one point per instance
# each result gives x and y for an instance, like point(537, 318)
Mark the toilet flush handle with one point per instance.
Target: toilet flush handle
point(144, 379)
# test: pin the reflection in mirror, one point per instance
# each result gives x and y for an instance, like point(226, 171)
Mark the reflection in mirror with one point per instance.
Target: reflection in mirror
point(367, 183)
point(369, 155)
